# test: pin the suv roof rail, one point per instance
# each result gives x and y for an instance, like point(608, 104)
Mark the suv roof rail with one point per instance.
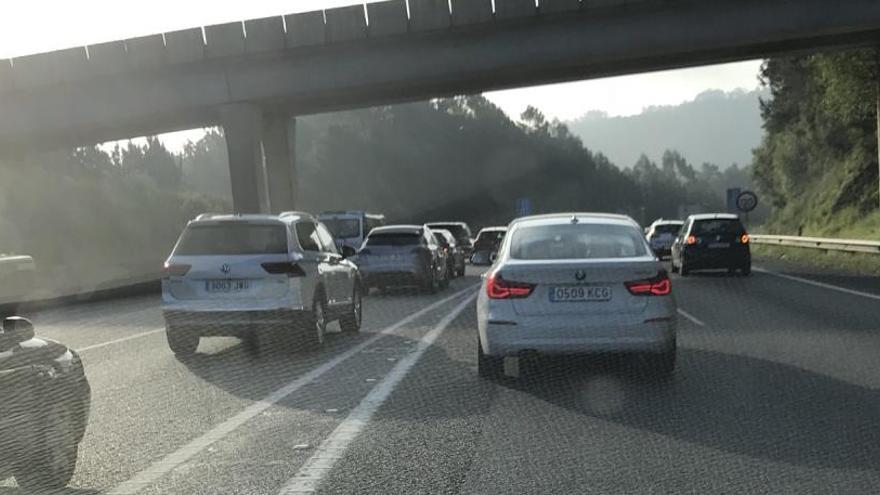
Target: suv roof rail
point(206, 216)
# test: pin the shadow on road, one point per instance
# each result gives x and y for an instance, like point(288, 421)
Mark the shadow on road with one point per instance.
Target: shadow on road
point(8, 490)
point(732, 403)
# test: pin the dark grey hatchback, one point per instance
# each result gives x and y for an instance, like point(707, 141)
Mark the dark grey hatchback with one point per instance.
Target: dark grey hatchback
point(712, 241)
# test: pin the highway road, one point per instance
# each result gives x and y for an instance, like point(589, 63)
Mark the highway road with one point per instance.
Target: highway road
point(776, 392)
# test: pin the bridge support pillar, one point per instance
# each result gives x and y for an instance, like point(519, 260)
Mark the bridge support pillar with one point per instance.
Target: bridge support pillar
point(242, 126)
point(279, 134)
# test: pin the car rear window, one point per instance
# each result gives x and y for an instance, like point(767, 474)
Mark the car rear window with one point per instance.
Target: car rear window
point(232, 239)
point(458, 231)
point(717, 226)
point(667, 229)
point(343, 228)
point(577, 241)
point(489, 239)
point(394, 239)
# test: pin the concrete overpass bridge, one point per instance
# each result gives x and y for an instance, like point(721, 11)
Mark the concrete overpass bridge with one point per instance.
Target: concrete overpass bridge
point(252, 77)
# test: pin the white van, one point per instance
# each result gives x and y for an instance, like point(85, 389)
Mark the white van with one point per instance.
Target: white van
point(351, 227)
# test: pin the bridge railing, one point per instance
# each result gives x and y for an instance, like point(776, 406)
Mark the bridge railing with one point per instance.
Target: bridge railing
point(825, 244)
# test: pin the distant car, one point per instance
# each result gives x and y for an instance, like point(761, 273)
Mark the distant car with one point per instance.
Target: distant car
point(712, 241)
point(230, 275)
point(350, 227)
point(402, 255)
point(661, 234)
point(486, 244)
point(460, 230)
point(575, 283)
point(456, 254)
point(45, 400)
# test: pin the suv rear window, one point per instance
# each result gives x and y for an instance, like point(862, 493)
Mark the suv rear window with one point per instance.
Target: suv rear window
point(458, 231)
point(667, 228)
point(717, 226)
point(582, 241)
point(232, 239)
point(394, 239)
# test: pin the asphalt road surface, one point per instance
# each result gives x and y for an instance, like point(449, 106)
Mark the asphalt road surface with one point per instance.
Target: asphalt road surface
point(776, 392)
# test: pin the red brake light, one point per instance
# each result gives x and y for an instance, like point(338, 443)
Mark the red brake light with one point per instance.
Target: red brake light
point(175, 270)
point(284, 267)
point(657, 286)
point(498, 288)
point(744, 239)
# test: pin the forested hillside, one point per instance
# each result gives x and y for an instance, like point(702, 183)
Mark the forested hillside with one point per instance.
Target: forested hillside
point(817, 162)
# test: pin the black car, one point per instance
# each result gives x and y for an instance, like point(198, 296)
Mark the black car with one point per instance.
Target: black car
point(486, 244)
point(460, 230)
point(456, 255)
point(402, 255)
point(44, 407)
point(712, 241)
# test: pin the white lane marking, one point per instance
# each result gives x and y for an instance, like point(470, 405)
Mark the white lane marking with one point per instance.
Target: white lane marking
point(333, 447)
point(171, 461)
point(693, 319)
point(820, 284)
point(120, 340)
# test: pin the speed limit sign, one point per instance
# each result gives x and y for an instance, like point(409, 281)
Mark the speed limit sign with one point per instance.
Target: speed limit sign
point(747, 201)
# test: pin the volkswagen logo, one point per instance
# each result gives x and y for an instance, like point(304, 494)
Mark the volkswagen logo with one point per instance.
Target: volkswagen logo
point(225, 268)
point(580, 275)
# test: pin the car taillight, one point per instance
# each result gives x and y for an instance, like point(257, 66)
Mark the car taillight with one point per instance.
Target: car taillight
point(498, 288)
point(284, 267)
point(691, 240)
point(657, 286)
point(175, 269)
point(744, 239)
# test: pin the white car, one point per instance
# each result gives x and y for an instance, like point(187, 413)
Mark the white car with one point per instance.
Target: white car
point(232, 275)
point(575, 283)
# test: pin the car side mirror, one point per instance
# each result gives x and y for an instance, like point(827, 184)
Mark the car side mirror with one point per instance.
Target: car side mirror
point(16, 329)
point(348, 251)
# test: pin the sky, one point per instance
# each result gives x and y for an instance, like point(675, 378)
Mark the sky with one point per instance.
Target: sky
point(26, 28)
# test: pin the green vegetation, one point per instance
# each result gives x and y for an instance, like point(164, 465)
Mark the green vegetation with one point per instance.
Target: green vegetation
point(818, 160)
point(92, 216)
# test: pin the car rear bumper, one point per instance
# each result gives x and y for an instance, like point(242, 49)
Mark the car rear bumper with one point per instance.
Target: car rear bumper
point(230, 323)
point(705, 259)
point(393, 277)
point(500, 338)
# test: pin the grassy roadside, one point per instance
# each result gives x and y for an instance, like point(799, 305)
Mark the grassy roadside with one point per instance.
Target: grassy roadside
point(839, 262)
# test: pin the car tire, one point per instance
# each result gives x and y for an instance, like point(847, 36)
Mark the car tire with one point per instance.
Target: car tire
point(460, 273)
point(183, 343)
point(53, 463)
point(490, 367)
point(431, 283)
point(351, 321)
point(746, 270)
point(314, 328)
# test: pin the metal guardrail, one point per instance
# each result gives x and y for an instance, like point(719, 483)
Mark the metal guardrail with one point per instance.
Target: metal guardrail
point(846, 245)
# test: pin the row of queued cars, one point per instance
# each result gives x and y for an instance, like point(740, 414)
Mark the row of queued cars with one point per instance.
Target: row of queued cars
point(289, 275)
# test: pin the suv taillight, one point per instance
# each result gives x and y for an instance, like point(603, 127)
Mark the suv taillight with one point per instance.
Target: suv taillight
point(660, 285)
point(175, 269)
point(284, 267)
point(498, 288)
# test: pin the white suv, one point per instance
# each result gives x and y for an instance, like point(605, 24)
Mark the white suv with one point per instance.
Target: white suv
point(230, 275)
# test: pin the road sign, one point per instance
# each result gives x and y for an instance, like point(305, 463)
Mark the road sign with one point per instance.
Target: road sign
point(732, 195)
point(523, 207)
point(746, 201)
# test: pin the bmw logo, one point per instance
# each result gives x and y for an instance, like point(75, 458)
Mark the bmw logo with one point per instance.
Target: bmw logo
point(580, 275)
point(225, 268)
